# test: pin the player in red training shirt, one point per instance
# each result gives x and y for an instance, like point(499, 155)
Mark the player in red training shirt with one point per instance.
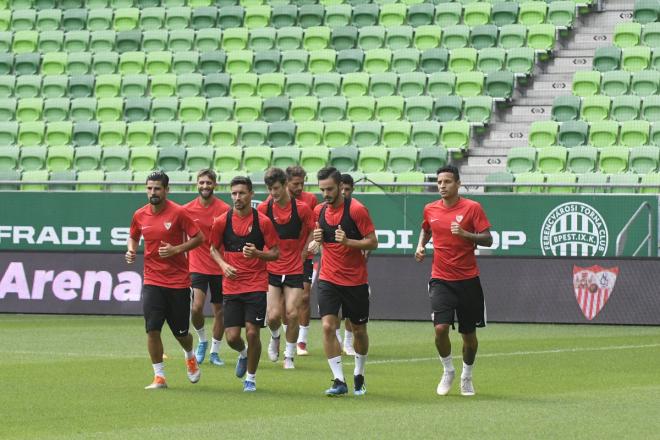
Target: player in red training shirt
point(457, 226)
point(238, 240)
point(294, 223)
point(345, 230)
point(205, 273)
point(295, 176)
point(164, 226)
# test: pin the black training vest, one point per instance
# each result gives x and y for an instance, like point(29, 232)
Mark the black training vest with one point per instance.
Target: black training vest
point(347, 224)
point(235, 243)
point(290, 230)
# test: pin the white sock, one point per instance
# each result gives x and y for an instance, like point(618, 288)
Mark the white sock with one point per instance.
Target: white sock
point(251, 377)
point(348, 338)
point(302, 333)
point(360, 360)
point(284, 327)
point(290, 350)
point(275, 333)
point(215, 345)
point(189, 354)
point(201, 334)
point(338, 334)
point(159, 369)
point(335, 366)
point(467, 370)
point(447, 363)
point(243, 353)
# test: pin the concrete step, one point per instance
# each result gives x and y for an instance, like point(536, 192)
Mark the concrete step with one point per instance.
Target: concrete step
point(500, 147)
point(595, 21)
point(485, 161)
point(480, 171)
point(492, 151)
point(568, 64)
point(617, 5)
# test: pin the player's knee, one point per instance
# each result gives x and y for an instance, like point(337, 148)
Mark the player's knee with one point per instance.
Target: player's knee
point(292, 314)
point(252, 335)
point(442, 329)
point(329, 327)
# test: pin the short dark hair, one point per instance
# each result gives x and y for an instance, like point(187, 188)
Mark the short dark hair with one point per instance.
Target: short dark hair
point(241, 180)
point(295, 171)
point(274, 175)
point(208, 173)
point(449, 169)
point(347, 179)
point(159, 176)
point(329, 173)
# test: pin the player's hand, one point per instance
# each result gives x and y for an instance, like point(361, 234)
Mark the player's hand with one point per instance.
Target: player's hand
point(420, 253)
point(340, 236)
point(229, 271)
point(456, 229)
point(250, 251)
point(318, 233)
point(130, 257)
point(166, 250)
point(313, 247)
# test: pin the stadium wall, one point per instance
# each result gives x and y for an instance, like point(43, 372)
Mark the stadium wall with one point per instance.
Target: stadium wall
point(540, 290)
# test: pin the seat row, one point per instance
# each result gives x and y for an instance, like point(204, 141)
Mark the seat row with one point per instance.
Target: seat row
point(627, 182)
point(641, 160)
point(602, 107)
point(599, 134)
point(370, 159)
point(631, 59)
point(646, 11)
point(642, 83)
point(453, 134)
point(559, 13)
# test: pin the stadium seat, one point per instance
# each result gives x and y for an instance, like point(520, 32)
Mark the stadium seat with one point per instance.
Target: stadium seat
point(344, 158)
point(634, 133)
point(455, 134)
point(630, 181)
point(475, 14)
point(615, 83)
point(9, 158)
point(372, 159)
point(227, 159)
point(85, 133)
point(314, 158)
point(644, 160)
point(651, 108)
point(337, 15)
point(566, 108)
point(455, 37)
point(582, 160)
point(500, 84)
point(134, 85)
point(551, 159)
point(224, 134)
point(29, 109)
point(491, 59)
point(541, 36)
point(573, 133)
point(284, 157)
point(646, 11)
point(107, 62)
point(470, 84)
point(109, 109)
point(653, 179)
point(596, 178)
point(400, 37)
point(651, 35)
point(253, 133)
point(627, 34)
point(96, 176)
point(34, 176)
point(31, 133)
point(563, 179)
point(586, 83)
point(462, 60)
point(281, 133)
point(143, 158)
point(645, 82)
point(561, 13)
point(195, 133)
point(530, 179)
point(431, 158)
point(402, 159)
point(112, 133)
point(500, 176)
point(379, 182)
point(367, 133)
point(343, 37)
point(521, 160)
point(603, 133)
point(139, 133)
point(27, 86)
point(309, 133)
point(448, 14)
point(427, 37)
point(607, 58)
point(613, 160)
point(59, 133)
point(383, 84)
point(87, 158)
point(625, 108)
point(256, 158)
point(332, 108)
point(512, 36)
point(543, 133)
point(360, 108)
point(101, 40)
point(198, 158)
point(636, 58)
point(396, 134)
point(595, 108)
point(32, 158)
point(337, 133)
point(483, 36)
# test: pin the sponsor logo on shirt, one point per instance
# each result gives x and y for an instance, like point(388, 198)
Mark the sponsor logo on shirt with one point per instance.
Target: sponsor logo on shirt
point(459, 218)
point(167, 225)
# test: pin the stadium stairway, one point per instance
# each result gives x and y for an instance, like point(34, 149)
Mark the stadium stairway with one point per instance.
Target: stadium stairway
point(509, 126)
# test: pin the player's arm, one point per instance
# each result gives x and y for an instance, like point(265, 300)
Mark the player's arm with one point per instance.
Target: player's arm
point(271, 254)
point(166, 250)
point(227, 269)
point(483, 238)
point(131, 245)
point(424, 237)
point(368, 243)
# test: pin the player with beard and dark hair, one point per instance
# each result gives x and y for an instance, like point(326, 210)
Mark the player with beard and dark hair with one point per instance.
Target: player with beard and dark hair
point(206, 275)
point(164, 225)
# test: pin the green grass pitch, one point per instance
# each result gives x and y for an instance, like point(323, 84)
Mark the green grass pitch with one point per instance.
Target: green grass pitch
point(83, 378)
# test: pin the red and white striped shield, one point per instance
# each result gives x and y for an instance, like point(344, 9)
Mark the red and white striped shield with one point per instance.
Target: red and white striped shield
point(593, 287)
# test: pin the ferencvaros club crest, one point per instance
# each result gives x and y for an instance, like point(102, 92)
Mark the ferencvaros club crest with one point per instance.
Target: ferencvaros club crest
point(593, 286)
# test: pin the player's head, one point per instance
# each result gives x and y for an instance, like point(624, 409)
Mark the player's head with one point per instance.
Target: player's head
point(448, 181)
point(275, 180)
point(206, 183)
point(329, 181)
point(295, 180)
point(157, 187)
point(347, 185)
point(241, 192)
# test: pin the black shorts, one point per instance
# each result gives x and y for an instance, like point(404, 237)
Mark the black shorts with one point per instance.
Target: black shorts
point(352, 300)
point(160, 304)
point(308, 270)
point(463, 298)
point(244, 307)
point(208, 283)
point(295, 281)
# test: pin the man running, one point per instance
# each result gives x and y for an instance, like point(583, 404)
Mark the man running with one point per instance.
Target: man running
point(293, 221)
point(457, 226)
point(238, 240)
point(205, 273)
point(345, 229)
point(295, 183)
point(166, 288)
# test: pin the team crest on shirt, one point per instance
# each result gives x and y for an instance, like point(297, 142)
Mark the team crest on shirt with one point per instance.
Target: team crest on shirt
point(167, 225)
point(459, 218)
point(593, 286)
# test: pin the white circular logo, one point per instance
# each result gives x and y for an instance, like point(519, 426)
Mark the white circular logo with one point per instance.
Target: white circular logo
point(574, 229)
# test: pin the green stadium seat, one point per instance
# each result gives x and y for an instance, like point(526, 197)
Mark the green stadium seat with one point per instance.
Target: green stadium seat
point(635, 58)
point(504, 13)
point(208, 40)
point(152, 18)
point(316, 38)
point(427, 37)
point(143, 158)
point(219, 109)
point(9, 158)
point(629, 179)
point(573, 133)
point(582, 160)
point(304, 108)
point(34, 176)
point(227, 159)
point(284, 15)
point(529, 179)
point(93, 176)
point(500, 84)
point(470, 84)
point(243, 85)
point(8, 133)
point(355, 84)
point(455, 134)
point(645, 82)
point(543, 133)
point(198, 158)
point(396, 134)
point(126, 19)
point(634, 133)
point(418, 108)
point(31, 133)
point(224, 134)
point(372, 159)
point(49, 41)
point(33, 157)
point(139, 133)
point(167, 134)
point(613, 160)
point(332, 108)
point(365, 15)
point(377, 60)
point(310, 15)
point(402, 159)
point(7, 109)
point(289, 38)
point(541, 36)
point(367, 133)
point(266, 61)
point(521, 60)
point(29, 109)
point(500, 176)
point(615, 83)
point(247, 109)
point(607, 58)
point(379, 182)
point(253, 133)
point(651, 108)
point(392, 14)
point(87, 158)
point(412, 84)
point(512, 36)
point(294, 61)
point(60, 158)
point(644, 160)
point(137, 109)
point(83, 109)
point(178, 18)
point(85, 133)
point(627, 34)
point(561, 13)
point(448, 14)
point(344, 158)
point(112, 133)
point(478, 109)
point(54, 86)
point(101, 40)
point(109, 109)
point(235, 39)
point(646, 11)
point(59, 133)
point(108, 86)
point(77, 63)
point(596, 178)
point(650, 179)
point(400, 37)
point(651, 35)
point(455, 37)
point(107, 62)
point(23, 19)
point(343, 37)
point(314, 158)
point(586, 83)
point(128, 41)
point(405, 60)
point(256, 158)
point(441, 84)
point(27, 63)
point(188, 86)
point(164, 109)
point(216, 85)
point(448, 108)
point(595, 108)
point(561, 178)
point(483, 36)
point(532, 13)
point(625, 108)
point(462, 60)
point(337, 133)
point(27, 86)
point(281, 134)
point(7, 84)
point(309, 133)
point(389, 108)
point(196, 133)
point(383, 84)
point(361, 108)
point(410, 177)
point(431, 158)
point(25, 41)
point(551, 159)
point(475, 14)
point(157, 63)
point(491, 59)
point(206, 17)
point(337, 15)
point(349, 60)
point(603, 133)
